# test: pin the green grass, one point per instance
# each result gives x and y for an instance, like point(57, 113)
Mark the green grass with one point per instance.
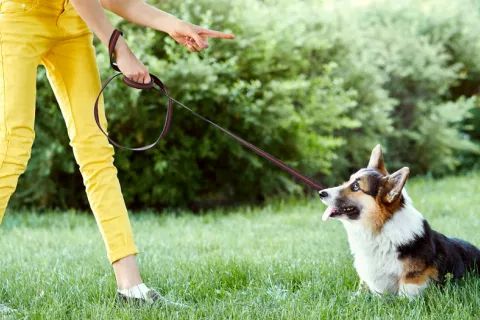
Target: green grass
point(276, 262)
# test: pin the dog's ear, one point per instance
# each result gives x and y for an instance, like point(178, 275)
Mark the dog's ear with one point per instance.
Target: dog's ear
point(394, 183)
point(376, 161)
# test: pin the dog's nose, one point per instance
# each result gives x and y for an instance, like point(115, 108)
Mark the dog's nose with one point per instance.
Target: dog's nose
point(323, 194)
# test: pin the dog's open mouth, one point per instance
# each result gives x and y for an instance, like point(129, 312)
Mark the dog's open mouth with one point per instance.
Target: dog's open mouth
point(332, 212)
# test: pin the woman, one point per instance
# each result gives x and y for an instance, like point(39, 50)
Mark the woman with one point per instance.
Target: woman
point(56, 33)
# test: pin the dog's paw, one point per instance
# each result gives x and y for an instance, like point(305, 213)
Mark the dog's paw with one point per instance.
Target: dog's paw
point(411, 291)
point(360, 294)
point(409, 296)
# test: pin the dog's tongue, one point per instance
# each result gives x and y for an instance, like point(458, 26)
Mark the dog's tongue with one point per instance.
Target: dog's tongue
point(328, 213)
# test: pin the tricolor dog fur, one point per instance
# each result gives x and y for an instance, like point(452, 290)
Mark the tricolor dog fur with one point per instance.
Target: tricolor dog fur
point(394, 248)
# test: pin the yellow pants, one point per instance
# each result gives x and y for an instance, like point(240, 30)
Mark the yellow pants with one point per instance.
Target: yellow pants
point(51, 33)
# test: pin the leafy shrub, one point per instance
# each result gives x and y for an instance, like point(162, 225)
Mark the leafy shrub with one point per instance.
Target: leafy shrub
point(318, 86)
point(414, 52)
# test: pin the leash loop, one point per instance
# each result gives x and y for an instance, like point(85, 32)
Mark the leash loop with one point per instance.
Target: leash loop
point(157, 85)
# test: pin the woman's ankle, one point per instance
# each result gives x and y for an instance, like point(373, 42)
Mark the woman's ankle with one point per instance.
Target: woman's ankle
point(126, 272)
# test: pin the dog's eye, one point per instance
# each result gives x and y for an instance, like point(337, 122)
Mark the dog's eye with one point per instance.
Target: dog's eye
point(355, 186)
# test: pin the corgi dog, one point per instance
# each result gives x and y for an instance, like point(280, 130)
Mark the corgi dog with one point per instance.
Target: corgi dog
point(395, 250)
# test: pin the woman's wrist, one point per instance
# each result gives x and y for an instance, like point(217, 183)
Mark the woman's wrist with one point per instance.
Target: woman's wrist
point(121, 46)
point(166, 23)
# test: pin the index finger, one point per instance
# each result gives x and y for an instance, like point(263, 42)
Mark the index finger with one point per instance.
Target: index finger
point(216, 34)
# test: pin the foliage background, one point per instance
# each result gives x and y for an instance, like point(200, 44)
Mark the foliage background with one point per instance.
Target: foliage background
point(315, 83)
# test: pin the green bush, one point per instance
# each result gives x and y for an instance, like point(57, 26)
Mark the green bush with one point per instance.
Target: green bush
point(317, 86)
point(414, 52)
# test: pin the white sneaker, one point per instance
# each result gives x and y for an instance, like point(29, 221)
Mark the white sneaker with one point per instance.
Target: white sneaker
point(152, 297)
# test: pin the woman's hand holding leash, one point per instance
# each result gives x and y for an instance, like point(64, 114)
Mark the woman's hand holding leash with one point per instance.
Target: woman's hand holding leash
point(129, 65)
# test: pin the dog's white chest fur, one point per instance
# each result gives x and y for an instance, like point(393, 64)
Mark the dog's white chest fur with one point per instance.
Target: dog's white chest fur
point(376, 256)
point(376, 262)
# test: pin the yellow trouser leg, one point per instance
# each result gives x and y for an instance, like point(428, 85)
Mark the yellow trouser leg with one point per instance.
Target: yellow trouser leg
point(50, 31)
point(18, 69)
point(72, 71)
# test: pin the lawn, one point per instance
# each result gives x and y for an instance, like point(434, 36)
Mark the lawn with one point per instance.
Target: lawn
point(275, 262)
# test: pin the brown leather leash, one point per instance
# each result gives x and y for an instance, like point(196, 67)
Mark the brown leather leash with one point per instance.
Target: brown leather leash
point(157, 85)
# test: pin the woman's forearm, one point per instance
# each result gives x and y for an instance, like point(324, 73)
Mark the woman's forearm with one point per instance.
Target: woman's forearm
point(92, 13)
point(191, 36)
point(139, 12)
